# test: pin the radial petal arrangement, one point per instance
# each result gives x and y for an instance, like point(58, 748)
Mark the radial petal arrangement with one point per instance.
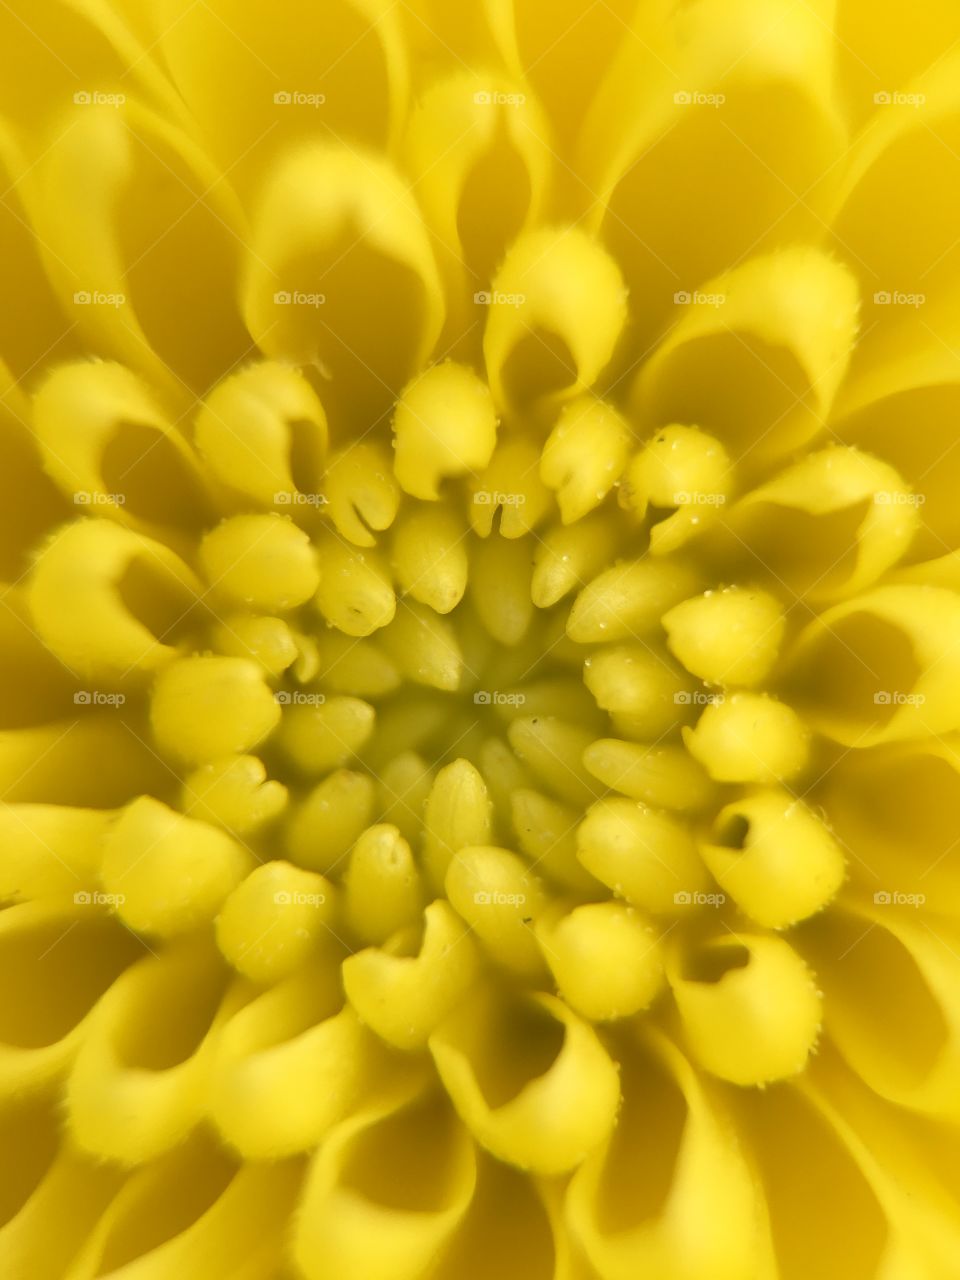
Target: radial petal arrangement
point(480, 644)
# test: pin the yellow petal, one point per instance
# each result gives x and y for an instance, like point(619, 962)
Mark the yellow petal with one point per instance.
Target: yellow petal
point(728, 140)
point(108, 444)
point(263, 434)
point(510, 492)
point(368, 1210)
point(727, 637)
point(205, 707)
point(360, 491)
point(281, 77)
point(628, 600)
point(680, 467)
point(644, 856)
point(557, 307)
point(404, 989)
point(632, 1221)
point(233, 793)
point(750, 1007)
point(903, 1041)
point(323, 827)
point(139, 1085)
point(355, 594)
point(881, 667)
point(665, 776)
point(529, 1079)
point(108, 601)
point(335, 236)
point(749, 737)
point(759, 366)
point(430, 556)
point(49, 848)
point(568, 556)
point(326, 735)
point(477, 146)
point(292, 1063)
point(382, 891)
point(774, 856)
point(170, 874)
point(125, 200)
point(498, 896)
point(828, 526)
point(584, 456)
point(264, 562)
point(604, 957)
point(271, 923)
point(457, 812)
point(60, 957)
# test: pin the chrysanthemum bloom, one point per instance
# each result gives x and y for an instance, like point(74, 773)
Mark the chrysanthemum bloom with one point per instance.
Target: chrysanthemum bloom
point(481, 650)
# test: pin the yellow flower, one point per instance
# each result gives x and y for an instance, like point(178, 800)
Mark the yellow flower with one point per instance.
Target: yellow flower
point(480, 655)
